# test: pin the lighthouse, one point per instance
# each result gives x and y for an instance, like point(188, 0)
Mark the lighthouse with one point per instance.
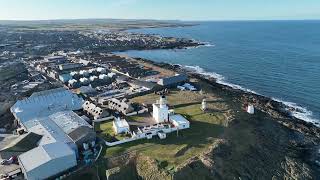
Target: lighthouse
point(204, 105)
point(160, 110)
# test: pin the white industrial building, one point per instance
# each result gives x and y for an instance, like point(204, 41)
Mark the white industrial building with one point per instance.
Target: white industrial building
point(46, 161)
point(160, 110)
point(50, 114)
point(120, 126)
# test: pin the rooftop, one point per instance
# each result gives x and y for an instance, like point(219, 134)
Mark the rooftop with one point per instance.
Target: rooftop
point(68, 121)
point(121, 123)
point(44, 103)
point(50, 131)
point(179, 119)
point(43, 154)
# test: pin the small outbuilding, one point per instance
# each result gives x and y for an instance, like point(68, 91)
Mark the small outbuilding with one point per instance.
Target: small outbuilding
point(121, 126)
point(179, 121)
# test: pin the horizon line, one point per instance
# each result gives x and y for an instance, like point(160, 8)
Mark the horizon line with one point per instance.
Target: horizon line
point(182, 20)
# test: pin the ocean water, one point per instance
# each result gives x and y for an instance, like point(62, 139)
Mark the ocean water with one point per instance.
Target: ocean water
point(278, 59)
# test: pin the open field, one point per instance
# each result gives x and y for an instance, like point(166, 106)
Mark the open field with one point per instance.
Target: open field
point(90, 24)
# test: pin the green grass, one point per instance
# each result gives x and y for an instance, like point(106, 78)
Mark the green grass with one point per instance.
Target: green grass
point(107, 132)
point(138, 118)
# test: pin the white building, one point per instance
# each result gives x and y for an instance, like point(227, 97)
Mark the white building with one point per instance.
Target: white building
point(204, 105)
point(84, 81)
point(187, 86)
point(250, 109)
point(67, 66)
point(160, 110)
point(46, 161)
point(84, 73)
point(121, 126)
point(179, 121)
point(101, 70)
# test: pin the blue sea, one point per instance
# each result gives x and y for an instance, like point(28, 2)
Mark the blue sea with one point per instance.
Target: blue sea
point(278, 59)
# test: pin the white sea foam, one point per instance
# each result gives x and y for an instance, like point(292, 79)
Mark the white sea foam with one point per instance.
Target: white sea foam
point(220, 79)
point(208, 44)
point(297, 111)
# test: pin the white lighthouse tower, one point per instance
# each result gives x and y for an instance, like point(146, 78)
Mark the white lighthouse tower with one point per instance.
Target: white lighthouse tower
point(204, 105)
point(160, 110)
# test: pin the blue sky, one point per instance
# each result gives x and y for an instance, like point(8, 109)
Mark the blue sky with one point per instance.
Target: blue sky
point(160, 9)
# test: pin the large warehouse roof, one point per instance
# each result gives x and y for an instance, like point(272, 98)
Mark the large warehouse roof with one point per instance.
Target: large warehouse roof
point(43, 154)
point(45, 103)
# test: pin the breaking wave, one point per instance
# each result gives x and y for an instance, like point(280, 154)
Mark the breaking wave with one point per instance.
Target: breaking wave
point(296, 110)
point(299, 111)
point(219, 78)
